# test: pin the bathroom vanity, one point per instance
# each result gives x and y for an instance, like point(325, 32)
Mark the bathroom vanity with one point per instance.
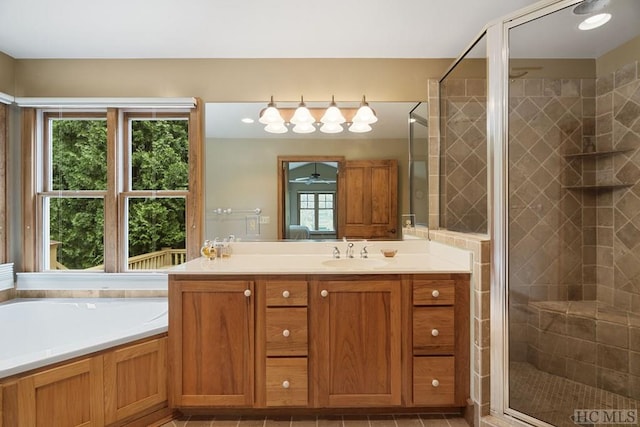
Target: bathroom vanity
point(294, 329)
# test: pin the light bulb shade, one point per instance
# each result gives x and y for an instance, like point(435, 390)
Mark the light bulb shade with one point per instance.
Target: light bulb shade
point(365, 115)
point(302, 115)
point(276, 128)
point(304, 128)
point(594, 21)
point(270, 115)
point(359, 127)
point(331, 128)
point(333, 115)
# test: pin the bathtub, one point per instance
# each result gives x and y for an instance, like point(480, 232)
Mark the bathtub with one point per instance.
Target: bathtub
point(39, 332)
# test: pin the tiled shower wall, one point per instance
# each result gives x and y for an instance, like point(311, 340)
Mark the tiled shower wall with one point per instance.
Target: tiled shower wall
point(581, 243)
point(463, 151)
point(618, 212)
point(548, 119)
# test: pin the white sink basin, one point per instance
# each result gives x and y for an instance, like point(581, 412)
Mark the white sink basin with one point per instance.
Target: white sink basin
point(354, 263)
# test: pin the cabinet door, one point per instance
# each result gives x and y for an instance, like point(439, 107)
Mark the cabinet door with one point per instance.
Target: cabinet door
point(71, 395)
point(368, 199)
point(356, 343)
point(135, 379)
point(211, 328)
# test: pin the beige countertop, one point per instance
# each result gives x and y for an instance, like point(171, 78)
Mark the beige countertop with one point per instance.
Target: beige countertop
point(414, 256)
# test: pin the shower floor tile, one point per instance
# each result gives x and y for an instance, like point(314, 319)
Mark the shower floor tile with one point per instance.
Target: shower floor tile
point(552, 399)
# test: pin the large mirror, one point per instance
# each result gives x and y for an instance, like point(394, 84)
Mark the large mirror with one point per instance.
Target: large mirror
point(242, 194)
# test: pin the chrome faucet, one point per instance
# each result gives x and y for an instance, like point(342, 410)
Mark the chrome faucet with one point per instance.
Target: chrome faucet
point(363, 252)
point(336, 252)
point(349, 250)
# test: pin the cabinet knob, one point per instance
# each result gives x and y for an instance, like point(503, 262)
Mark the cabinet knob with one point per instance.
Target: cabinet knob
point(435, 332)
point(285, 384)
point(286, 333)
point(435, 383)
point(285, 294)
point(247, 293)
point(324, 293)
point(435, 293)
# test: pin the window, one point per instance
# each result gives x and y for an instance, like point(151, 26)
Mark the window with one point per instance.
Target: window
point(316, 210)
point(114, 190)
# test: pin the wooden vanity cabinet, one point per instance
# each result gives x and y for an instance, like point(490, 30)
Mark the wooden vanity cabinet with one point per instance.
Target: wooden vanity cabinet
point(440, 340)
point(211, 341)
point(321, 341)
point(282, 349)
point(356, 344)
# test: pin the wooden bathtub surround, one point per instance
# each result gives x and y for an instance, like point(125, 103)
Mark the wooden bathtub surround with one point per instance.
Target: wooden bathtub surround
point(117, 387)
point(310, 343)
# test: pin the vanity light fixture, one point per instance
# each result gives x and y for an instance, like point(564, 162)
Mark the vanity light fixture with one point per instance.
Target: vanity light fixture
point(302, 114)
point(594, 21)
point(270, 114)
point(365, 114)
point(307, 120)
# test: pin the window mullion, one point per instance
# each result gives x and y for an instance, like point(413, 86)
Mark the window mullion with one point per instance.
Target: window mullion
point(112, 246)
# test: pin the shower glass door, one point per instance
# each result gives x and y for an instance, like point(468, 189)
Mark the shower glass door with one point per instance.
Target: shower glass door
point(574, 215)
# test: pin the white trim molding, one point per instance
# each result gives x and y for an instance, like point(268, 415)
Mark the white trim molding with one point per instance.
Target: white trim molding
point(163, 103)
point(92, 281)
point(5, 98)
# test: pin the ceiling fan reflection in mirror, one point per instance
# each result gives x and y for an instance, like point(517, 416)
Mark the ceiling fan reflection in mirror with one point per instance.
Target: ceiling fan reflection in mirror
point(314, 178)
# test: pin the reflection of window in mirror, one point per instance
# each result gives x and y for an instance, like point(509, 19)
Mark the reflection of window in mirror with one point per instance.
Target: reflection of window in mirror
point(308, 188)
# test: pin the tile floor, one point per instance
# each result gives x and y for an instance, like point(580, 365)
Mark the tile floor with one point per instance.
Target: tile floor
point(552, 398)
point(410, 420)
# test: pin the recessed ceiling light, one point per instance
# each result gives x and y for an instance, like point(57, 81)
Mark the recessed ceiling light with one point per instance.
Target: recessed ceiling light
point(595, 21)
point(247, 120)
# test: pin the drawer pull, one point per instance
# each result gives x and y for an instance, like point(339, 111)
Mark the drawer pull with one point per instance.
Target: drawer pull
point(247, 293)
point(285, 384)
point(435, 383)
point(435, 293)
point(286, 333)
point(435, 332)
point(324, 293)
point(285, 294)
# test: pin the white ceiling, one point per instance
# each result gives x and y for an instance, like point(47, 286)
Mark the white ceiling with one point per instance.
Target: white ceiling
point(245, 28)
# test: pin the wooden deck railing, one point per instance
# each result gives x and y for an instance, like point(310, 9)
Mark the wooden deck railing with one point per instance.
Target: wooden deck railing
point(158, 260)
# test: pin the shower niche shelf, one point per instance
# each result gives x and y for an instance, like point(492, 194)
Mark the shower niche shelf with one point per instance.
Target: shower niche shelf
point(601, 186)
point(594, 154)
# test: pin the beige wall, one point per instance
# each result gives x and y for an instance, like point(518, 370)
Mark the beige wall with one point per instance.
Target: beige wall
point(230, 80)
point(7, 74)
point(618, 57)
point(242, 174)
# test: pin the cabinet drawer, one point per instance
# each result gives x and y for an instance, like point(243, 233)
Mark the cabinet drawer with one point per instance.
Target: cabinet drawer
point(286, 331)
point(434, 292)
point(433, 330)
point(287, 382)
point(286, 293)
point(434, 380)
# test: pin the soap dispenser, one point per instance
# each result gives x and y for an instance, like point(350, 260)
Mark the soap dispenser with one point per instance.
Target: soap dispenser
point(207, 250)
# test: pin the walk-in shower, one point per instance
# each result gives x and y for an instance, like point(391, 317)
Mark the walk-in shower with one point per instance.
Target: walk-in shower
point(559, 135)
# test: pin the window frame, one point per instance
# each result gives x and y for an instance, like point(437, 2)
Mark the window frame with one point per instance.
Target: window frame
point(36, 156)
point(317, 209)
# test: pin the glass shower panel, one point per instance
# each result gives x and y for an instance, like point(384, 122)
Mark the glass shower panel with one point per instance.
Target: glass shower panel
point(419, 163)
point(573, 239)
point(463, 143)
